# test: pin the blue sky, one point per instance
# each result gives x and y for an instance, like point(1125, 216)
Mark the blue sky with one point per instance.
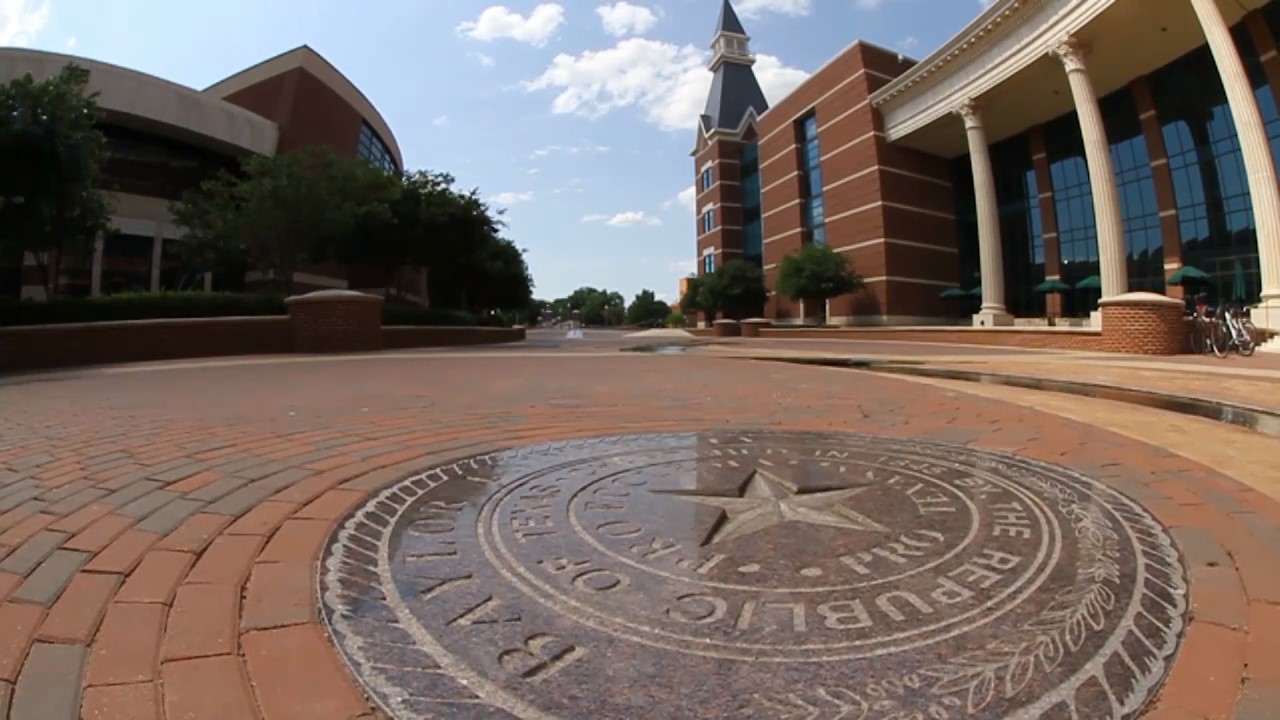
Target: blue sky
point(576, 116)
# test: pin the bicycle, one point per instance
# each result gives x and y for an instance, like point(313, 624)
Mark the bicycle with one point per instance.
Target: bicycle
point(1201, 335)
point(1236, 330)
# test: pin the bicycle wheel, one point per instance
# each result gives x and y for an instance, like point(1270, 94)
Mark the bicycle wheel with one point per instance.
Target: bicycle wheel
point(1220, 338)
point(1246, 344)
point(1196, 336)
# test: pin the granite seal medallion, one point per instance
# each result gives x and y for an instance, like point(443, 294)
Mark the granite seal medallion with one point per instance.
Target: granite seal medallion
point(754, 574)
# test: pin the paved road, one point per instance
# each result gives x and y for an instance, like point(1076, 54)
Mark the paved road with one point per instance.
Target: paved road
point(159, 525)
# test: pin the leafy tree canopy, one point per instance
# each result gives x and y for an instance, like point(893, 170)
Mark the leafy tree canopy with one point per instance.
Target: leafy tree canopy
point(598, 306)
point(816, 273)
point(647, 310)
point(282, 211)
point(737, 290)
point(50, 161)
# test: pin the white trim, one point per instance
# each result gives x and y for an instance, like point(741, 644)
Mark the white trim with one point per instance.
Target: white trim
point(893, 241)
point(781, 207)
point(1006, 39)
point(918, 176)
point(1168, 213)
point(1172, 265)
point(718, 228)
point(851, 143)
point(1160, 161)
point(778, 182)
point(898, 278)
point(779, 236)
point(1267, 55)
point(710, 250)
point(714, 184)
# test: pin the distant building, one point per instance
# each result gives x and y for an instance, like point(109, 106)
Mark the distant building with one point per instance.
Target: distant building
point(1046, 141)
point(164, 138)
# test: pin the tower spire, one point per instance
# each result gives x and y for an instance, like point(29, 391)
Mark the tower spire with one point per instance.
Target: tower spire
point(734, 89)
point(731, 43)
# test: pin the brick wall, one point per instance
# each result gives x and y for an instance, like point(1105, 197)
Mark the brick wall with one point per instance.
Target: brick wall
point(45, 347)
point(1145, 329)
point(54, 346)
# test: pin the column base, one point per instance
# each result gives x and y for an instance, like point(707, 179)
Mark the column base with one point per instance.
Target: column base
point(1266, 314)
point(1095, 319)
point(992, 318)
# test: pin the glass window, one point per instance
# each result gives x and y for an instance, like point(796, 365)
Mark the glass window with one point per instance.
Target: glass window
point(811, 174)
point(1073, 201)
point(708, 221)
point(706, 179)
point(1215, 211)
point(708, 263)
point(752, 232)
point(1143, 240)
point(373, 149)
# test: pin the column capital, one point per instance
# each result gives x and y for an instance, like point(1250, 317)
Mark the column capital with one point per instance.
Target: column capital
point(970, 111)
point(1071, 51)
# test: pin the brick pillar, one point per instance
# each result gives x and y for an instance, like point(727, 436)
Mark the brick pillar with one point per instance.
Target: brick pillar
point(1143, 323)
point(335, 321)
point(1166, 200)
point(1048, 218)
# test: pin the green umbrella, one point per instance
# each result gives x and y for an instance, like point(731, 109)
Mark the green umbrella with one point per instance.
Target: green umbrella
point(950, 293)
point(1237, 287)
point(1093, 282)
point(976, 292)
point(1052, 286)
point(1187, 272)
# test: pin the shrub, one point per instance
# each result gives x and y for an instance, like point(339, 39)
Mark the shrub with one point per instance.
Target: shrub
point(393, 314)
point(676, 320)
point(140, 306)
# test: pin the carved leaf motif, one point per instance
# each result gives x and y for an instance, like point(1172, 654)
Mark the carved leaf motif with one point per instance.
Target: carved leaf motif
point(1049, 650)
point(1075, 632)
point(1019, 674)
point(980, 691)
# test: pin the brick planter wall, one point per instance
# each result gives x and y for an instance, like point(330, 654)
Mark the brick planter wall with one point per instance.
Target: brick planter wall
point(1087, 340)
point(39, 347)
point(752, 327)
point(726, 328)
point(335, 321)
point(1143, 323)
point(399, 337)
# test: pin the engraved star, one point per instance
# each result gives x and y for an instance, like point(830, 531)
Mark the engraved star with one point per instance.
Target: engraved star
point(765, 500)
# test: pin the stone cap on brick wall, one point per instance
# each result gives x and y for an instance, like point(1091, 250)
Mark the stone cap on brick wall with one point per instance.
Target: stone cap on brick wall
point(726, 321)
point(332, 296)
point(757, 321)
point(1140, 298)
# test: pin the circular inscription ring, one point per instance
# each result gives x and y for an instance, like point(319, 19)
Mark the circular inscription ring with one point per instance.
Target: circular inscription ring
point(756, 574)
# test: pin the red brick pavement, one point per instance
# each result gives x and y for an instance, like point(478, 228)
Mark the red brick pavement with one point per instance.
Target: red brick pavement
point(159, 529)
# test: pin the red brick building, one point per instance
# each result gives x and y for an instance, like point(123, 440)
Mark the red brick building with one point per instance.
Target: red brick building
point(163, 139)
point(1039, 148)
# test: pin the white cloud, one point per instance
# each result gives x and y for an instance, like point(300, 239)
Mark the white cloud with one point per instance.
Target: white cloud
point(72, 42)
point(485, 60)
point(908, 43)
point(22, 20)
point(667, 82)
point(687, 198)
point(623, 219)
point(568, 150)
point(869, 4)
point(751, 9)
point(623, 18)
point(499, 22)
point(511, 198)
point(442, 121)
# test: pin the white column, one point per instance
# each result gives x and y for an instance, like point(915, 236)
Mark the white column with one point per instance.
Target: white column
point(990, 253)
point(1256, 150)
point(208, 282)
point(157, 252)
point(95, 269)
point(1102, 177)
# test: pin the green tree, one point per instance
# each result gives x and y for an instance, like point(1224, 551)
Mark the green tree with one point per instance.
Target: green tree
point(282, 211)
point(50, 163)
point(737, 290)
point(598, 306)
point(691, 303)
point(816, 273)
point(647, 309)
point(676, 320)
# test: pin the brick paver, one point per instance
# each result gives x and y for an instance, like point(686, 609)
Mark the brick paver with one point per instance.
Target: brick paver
point(159, 527)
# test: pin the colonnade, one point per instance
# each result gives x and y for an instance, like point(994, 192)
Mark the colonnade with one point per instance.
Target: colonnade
point(1256, 150)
